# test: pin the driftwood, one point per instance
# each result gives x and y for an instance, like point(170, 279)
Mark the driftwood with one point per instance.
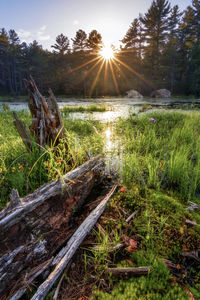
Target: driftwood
point(65, 255)
point(46, 126)
point(34, 228)
point(129, 271)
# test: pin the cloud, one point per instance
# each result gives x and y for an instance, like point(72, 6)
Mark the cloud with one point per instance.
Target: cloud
point(39, 35)
point(24, 34)
point(75, 22)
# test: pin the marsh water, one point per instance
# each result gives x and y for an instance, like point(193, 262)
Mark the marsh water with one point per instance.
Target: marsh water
point(117, 107)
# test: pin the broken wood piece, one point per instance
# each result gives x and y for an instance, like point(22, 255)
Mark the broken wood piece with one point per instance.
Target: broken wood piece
point(129, 271)
point(65, 255)
point(131, 217)
point(42, 268)
point(193, 255)
point(23, 132)
point(190, 222)
point(55, 297)
point(42, 222)
point(46, 127)
point(193, 206)
point(173, 268)
point(32, 201)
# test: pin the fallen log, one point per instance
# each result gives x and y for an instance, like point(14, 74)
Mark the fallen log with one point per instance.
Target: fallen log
point(65, 255)
point(34, 228)
point(129, 271)
point(39, 271)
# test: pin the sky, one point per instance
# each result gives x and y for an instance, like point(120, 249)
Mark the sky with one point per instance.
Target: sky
point(43, 20)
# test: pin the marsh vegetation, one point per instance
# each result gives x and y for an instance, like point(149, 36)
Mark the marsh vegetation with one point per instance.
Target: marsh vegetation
point(160, 174)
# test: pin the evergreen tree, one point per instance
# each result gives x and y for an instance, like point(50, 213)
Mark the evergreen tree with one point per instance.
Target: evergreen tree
point(94, 41)
point(4, 60)
point(80, 41)
point(155, 28)
point(171, 57)
point(62, 44)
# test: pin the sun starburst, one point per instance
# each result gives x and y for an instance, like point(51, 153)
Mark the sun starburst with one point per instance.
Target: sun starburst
point(107, 52)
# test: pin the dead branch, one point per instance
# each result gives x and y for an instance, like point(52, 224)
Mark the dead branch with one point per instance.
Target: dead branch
point(131, 217)
point(129, 271)
point(65, 255)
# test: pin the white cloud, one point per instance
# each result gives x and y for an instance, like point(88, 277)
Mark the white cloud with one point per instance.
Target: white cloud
point(75, 22)
point(39, 35)
point(23, 34)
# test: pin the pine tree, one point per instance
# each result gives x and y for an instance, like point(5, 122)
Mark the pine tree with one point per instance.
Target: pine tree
point(155, 29)
point(62, 44)
point(171, 57)
point(94, 41)
point(80, 41)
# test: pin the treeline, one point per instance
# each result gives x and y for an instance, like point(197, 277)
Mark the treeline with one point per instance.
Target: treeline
point(161, 49)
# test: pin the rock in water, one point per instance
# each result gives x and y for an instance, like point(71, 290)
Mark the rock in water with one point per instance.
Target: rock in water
point(162, 93)
point(134, 94)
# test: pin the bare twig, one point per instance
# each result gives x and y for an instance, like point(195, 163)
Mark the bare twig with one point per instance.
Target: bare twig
point(129, 271)
point(131, 217)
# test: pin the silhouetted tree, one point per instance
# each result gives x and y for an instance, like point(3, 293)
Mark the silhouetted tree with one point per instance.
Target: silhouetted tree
point(62, 44)
point(94, 41)
point(80, 41)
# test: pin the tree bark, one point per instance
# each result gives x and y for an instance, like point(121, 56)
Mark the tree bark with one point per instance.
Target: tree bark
point(32, 229)
point(46, 127)
point(65, 255)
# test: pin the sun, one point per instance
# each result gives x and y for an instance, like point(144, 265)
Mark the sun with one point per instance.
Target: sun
point(107, 52)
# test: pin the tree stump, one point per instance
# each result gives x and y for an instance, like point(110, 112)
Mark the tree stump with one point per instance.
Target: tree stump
point(46, 126)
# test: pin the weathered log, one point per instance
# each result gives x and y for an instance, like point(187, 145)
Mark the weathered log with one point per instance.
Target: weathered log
point(65, 255)
point(34, 274)
point(35, 228)
point(129, 271)
point(9, 217)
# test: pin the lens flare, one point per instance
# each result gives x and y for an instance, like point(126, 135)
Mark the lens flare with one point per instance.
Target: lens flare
point(107, 52)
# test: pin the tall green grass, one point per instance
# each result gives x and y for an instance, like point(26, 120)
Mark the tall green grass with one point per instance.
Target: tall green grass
point(162, 154)
point(26, 171)
point(92, 108)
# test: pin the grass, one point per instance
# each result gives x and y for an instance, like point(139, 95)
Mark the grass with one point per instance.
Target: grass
point(160, 173)
point(27, 171)
point(161, 151)
point(92, 108)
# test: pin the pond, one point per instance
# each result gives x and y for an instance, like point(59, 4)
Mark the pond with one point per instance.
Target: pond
point(117, 107)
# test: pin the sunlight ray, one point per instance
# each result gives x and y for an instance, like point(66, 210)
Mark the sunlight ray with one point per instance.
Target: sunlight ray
point(92, 68)
point(96, 78)
point(84, 64)
point(105, 75)
point(150, 84)
point(114, 77)
point(120, 70)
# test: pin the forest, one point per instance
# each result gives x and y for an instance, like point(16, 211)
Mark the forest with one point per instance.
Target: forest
point(161, 49)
